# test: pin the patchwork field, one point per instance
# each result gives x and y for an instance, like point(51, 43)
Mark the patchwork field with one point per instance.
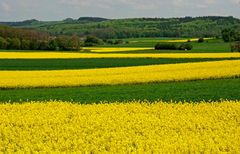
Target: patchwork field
point(121, 99)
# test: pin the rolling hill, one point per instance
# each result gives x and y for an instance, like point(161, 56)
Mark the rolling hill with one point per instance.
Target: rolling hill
point(209, 26)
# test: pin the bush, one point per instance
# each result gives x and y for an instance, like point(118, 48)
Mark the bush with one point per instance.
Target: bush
point(14, 43)
point(43, 45)
point(110, 42)
point(52, 45)
point(201, 40)
point(166, 46)
point(235, 47)
point(25, 45)
point(229, 35)
point(185, 47)
point(92, 40)
point(3, 43)
point(119, 42)
point(34, 45)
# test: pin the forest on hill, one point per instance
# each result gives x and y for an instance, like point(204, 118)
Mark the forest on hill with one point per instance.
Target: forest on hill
point(209, 26)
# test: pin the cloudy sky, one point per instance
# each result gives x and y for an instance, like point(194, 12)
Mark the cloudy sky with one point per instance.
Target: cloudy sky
point(16, 10)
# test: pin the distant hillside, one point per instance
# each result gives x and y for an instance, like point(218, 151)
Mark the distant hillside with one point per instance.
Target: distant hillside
point(210, 26)
point(21, 23)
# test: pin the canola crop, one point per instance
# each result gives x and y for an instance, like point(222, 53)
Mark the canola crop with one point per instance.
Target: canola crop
point(169, 40)
point(186, 40)
point(68, 55)
point(127, 127)
point(121, 75)
point(110, 49)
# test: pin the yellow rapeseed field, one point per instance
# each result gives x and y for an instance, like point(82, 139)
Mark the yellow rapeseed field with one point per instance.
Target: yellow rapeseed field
point(186, 40)
point(64, 55)
point(129, 127)
point(116, 49)
point(121, 75)
point(169, 40)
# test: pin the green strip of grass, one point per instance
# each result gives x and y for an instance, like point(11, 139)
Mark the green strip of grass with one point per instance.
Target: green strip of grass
point(59, 64)
point(207, 47)
point(176, 91)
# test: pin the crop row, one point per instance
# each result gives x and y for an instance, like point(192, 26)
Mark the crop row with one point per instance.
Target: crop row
point(62, 55)
point(121, 75)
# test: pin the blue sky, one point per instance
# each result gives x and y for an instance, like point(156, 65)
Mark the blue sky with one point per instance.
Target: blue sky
point(17, 10)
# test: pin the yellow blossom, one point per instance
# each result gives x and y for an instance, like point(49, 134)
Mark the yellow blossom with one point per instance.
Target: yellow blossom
point(121, 75)
point(127, 127)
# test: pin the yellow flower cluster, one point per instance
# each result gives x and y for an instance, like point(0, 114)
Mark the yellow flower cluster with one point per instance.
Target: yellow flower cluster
point(116, 49)
point(121, 75)
point(129, 127)
point(62, 55)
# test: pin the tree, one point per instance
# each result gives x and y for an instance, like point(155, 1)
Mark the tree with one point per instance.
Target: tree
point(3, 43)
point(235, 47)
point(52, 45)
point(227, 35)
point(25, 45)
point(166, 46)
point(34, 45)
point(63, 42)
point(14, 43)
point(230, 35)
point(92, 40)
point(75, 43)
point(201, 40)
point(119, 41)
point(185, 46)
point(43, 45)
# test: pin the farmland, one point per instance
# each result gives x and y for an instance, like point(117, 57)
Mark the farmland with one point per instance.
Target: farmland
point(121, 98)
point(120, 127)
point(121, 75)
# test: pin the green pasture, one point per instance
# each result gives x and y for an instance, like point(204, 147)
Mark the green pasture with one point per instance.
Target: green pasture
point(176, 91)
point(209, 46)
point(90, 63)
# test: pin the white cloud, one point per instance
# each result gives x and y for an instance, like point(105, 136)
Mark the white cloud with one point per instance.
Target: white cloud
point(6, 7)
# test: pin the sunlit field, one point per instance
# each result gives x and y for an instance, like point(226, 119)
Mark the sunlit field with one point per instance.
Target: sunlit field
point(121, 75)
point(126, 98)
point(120, 127)
point(67, 55)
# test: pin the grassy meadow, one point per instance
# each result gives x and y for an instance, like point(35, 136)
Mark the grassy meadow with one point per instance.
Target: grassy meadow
point(125, 98)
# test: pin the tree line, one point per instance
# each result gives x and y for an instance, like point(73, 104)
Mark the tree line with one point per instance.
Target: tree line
point(21, 39)
point(232, 35)
point(140, 27)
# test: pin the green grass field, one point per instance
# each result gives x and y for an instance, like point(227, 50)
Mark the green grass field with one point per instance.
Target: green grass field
point(58, 64)
point(176, 91)
point(210, 46)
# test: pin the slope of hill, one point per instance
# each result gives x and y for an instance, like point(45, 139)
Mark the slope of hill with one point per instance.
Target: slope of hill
point(209, 26)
